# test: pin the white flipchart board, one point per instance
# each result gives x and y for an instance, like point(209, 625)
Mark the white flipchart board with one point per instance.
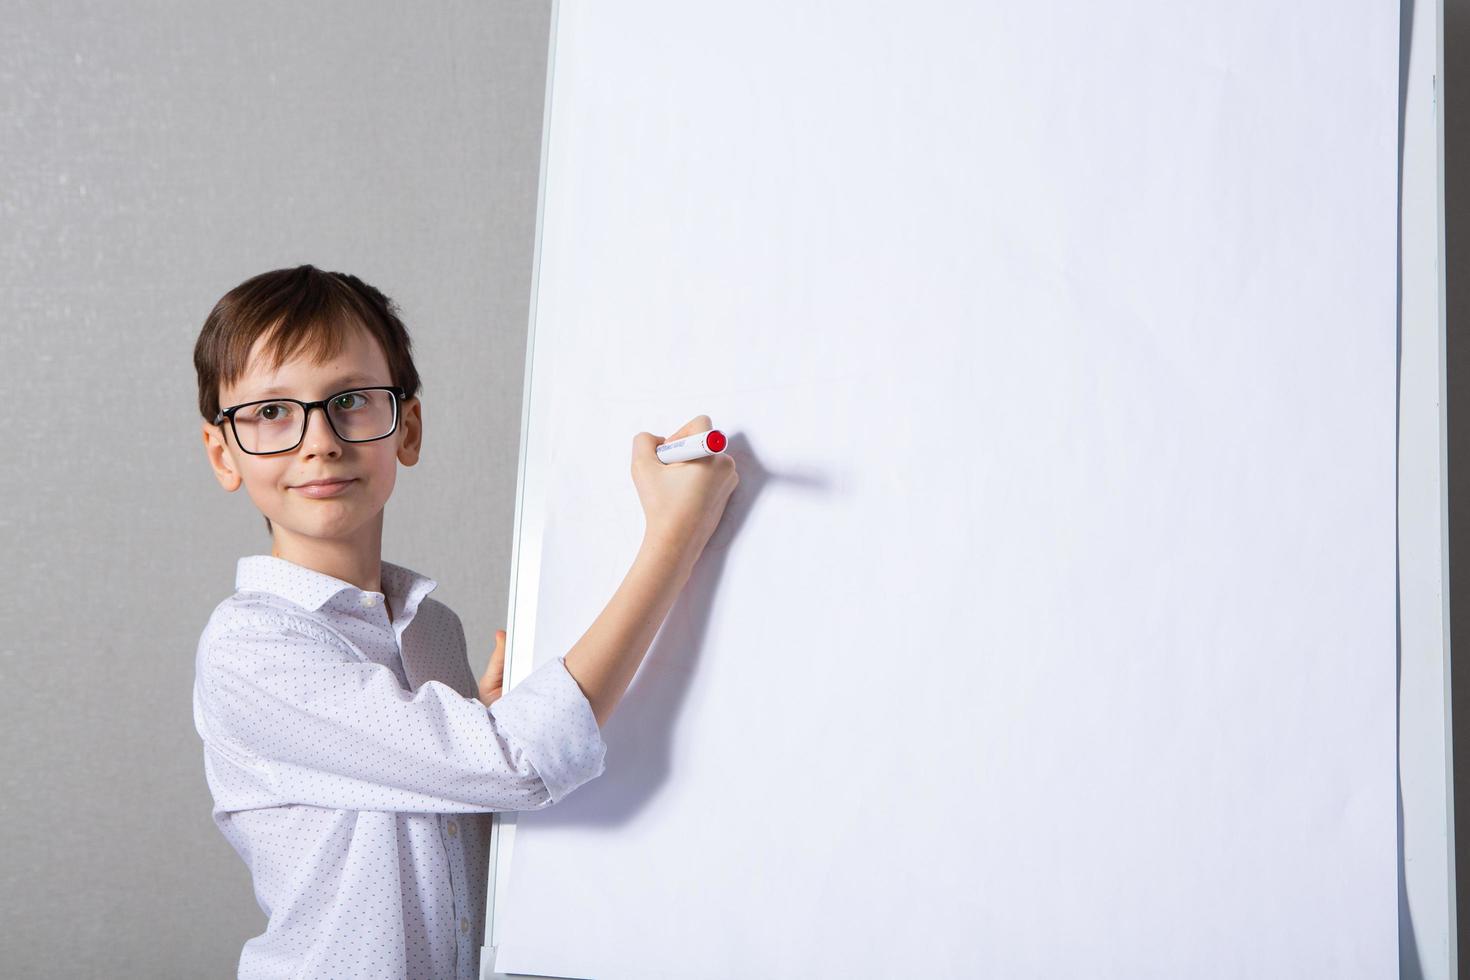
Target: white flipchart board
point(1051, 629)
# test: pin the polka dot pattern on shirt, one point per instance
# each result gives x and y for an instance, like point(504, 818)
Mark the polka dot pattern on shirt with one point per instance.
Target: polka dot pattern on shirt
point(353, 769)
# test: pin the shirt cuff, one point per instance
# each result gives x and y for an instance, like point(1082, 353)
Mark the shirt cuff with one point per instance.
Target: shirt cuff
point(549, 718)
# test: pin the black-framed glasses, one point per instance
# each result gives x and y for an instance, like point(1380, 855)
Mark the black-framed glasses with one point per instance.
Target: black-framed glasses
point(277, 425)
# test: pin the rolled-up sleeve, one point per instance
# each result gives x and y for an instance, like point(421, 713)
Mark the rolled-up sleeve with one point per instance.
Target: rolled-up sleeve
point(549, 721)
point(333, 730)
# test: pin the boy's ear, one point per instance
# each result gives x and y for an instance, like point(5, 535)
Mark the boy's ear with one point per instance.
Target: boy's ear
point(220, 458)
point(411, 425)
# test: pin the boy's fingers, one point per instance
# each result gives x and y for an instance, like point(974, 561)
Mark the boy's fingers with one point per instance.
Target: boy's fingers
point(497, 661)
point(644, 443)
point(700, 423)
point(493, 679)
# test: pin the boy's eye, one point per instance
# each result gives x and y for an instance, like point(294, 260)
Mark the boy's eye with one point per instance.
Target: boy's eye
point(269, 412)
point(344, 400)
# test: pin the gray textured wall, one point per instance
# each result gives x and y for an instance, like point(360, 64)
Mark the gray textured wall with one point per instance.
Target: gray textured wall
point(156, 154)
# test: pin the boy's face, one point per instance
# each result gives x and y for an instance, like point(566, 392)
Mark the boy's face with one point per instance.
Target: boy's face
point(272, 481)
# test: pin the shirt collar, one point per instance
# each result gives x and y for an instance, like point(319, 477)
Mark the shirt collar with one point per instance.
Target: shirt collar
point(403, 588)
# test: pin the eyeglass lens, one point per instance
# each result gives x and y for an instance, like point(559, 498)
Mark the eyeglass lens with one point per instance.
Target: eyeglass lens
point(357, 416)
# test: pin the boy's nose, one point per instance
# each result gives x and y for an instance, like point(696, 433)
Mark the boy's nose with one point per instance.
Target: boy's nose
point(320, 436)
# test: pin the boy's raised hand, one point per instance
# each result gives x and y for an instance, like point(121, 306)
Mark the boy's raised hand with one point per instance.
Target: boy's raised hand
point(682, 502)
point(494, 678)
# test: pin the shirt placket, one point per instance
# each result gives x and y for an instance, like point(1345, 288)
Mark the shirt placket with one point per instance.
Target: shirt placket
point(454, 848)
point(450, 829)
point(387, 639)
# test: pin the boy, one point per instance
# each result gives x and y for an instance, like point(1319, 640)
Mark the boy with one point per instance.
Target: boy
point(352, 757)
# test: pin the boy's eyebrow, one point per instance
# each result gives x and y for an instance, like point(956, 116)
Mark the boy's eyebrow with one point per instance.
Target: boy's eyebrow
point(350, 379)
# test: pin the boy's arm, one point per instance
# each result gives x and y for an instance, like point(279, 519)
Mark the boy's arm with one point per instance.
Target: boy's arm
point(289, 701)
point(682, 503)
point(607, 656)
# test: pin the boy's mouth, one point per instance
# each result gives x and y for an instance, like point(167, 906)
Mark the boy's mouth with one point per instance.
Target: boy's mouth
point(319, 488)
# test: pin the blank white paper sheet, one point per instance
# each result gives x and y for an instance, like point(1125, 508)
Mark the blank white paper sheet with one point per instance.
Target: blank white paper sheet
point(1050, 631)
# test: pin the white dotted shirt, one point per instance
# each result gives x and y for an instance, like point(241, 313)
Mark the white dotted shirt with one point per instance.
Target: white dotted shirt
point(354, 770)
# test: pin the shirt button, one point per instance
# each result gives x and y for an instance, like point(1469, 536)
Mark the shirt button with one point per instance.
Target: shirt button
point(368, 600)
point(453, 828)
point(464, 925)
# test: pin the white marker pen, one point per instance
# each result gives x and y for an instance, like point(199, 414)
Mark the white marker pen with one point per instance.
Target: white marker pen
point(691, 447)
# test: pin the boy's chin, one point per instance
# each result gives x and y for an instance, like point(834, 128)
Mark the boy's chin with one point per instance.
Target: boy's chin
point(340, 522)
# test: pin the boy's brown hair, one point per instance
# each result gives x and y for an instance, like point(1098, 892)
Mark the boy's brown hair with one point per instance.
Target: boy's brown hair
point(303, 309)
